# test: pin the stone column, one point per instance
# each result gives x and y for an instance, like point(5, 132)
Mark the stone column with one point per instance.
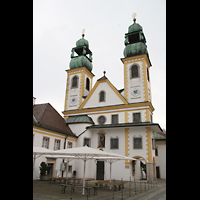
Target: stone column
point(150, 173)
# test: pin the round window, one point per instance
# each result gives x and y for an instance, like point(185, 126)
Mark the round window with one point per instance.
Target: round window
point(101, 120)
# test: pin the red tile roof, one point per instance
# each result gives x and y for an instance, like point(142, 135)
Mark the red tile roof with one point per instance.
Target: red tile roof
point(47, 117)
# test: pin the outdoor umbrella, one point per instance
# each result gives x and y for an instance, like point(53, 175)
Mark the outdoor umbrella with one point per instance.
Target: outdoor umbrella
point(66, 157)
point(111, 160)
point(85, 153)
point(39, 151)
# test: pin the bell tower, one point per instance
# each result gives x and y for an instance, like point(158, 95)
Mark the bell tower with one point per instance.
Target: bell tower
point(136, 65)
point(79, 76)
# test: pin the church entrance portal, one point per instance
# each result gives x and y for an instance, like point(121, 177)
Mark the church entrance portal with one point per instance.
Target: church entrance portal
point(139, 168)
point(100, 170)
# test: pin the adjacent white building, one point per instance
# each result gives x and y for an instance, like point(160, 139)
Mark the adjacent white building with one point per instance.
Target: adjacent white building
point(160, 138)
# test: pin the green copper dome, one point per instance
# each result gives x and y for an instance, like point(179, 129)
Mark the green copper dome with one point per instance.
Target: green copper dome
point(135, 49)
point(135, 41)
point(134, 28)
point(82, 42)
point(81, 61)
point(82, 49)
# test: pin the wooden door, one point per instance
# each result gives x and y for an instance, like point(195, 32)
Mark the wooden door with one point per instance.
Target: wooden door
point(100, 170)
point(158, 172)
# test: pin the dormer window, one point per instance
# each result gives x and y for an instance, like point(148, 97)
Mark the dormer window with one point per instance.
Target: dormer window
point(136, 117)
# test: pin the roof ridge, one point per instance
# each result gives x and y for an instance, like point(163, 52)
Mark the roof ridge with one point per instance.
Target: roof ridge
point(43, 112)
point(102, 78)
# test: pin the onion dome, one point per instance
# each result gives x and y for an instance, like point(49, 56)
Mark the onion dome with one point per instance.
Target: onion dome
point(81, 61)
point(82, 49)
point(82, 42)
point(134, 49)
point(135, 41)
point(134, 27)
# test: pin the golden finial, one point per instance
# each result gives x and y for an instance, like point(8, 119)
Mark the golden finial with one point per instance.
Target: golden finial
point(83, 31)
point(134, 15)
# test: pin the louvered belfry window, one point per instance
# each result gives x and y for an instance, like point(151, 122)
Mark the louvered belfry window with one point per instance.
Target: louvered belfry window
point(75, 82)
point(134, 71)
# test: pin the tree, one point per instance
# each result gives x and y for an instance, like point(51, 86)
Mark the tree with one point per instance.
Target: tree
point(44, 169)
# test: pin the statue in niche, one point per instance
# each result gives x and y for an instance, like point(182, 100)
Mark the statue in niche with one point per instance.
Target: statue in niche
point(102, 140)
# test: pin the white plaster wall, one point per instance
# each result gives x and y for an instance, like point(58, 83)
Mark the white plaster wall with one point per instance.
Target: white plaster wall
point(112, 132)
point(135, 82)
point(38, 139)
point(110, 99)
point(86, 92)
point(137, 132)
point(75, 92)
point(80, 140)
point(118, 169)
point(142, 115)
point(161, 160)
point(108, 116)
point(78, 128)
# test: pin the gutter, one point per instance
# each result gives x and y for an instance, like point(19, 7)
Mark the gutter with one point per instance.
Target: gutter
point(65, 141)
point(82, 132)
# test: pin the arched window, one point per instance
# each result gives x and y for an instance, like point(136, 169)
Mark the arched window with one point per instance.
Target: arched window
point(88, 84)
point(75, 82)
point(134, 71)
point(102, 97)
point(147, 74)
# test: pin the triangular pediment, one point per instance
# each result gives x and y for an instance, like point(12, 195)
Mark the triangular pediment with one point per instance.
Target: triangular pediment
point(112, 96)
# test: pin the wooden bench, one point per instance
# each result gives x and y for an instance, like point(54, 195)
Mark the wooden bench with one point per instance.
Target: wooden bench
point(88, 188)
point(63, 188)
point(112, 183)
point(52, 179)
point(65, 179)
point(80, 186)
point(95, 189)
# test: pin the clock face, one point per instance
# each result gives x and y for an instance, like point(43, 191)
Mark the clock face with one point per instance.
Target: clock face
point(73, 100)
point(136, 92)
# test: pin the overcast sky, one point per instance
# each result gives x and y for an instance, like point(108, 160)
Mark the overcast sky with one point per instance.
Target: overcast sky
point(58, 24)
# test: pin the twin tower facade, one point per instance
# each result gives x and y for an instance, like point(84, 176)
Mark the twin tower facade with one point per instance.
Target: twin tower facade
point(118, 121)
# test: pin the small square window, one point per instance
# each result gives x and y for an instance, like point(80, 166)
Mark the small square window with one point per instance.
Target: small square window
point(57, 145)
point(86, 142)
point(69, 145)
point(114, 143)
point(114, 119)
point(45, 142)
point(137, 143)
point(136, 117)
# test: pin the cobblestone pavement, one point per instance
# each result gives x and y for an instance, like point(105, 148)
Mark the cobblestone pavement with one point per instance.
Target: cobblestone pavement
point(138, 191)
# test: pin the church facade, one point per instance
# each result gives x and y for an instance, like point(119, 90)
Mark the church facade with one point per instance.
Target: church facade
point(118, 121)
